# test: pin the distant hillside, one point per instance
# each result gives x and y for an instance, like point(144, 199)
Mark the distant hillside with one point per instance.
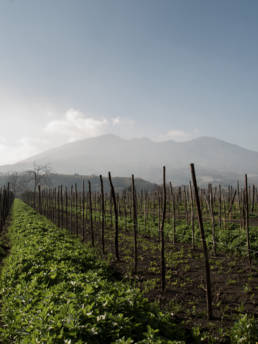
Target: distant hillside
point(216, 161)
point(120, 183)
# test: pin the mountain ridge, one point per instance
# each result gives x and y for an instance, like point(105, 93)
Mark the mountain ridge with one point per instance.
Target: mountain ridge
point(145, 158)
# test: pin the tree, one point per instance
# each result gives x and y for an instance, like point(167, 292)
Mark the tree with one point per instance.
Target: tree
point(19, 182)
point(40, 175)
point(13, 180)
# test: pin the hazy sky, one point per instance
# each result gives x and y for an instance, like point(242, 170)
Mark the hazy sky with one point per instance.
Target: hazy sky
point(165, 69)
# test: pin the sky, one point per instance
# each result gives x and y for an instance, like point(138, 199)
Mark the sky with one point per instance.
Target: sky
point(166, 69)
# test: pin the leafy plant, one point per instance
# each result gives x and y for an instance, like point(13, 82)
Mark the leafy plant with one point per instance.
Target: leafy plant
point(54, 290)
point(244, 331)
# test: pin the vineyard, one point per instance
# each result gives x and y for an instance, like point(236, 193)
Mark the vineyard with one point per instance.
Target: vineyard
point(191, 252)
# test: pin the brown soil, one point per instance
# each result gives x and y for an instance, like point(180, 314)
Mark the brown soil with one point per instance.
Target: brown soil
point(234, 282)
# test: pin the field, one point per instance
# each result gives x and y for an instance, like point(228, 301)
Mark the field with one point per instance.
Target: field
point(153, 242)
point(55, 290)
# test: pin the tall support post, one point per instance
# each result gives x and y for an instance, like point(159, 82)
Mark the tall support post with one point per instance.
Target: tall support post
point(76, 210)
point(163, 263)
point(116, 214)
point(247, 220)
point(91, 218)
point(205, 251)
point(83, 210)
point(39, 191)
point(192, 213)
point(102, 214)
point(174, 212)
point(135, 229)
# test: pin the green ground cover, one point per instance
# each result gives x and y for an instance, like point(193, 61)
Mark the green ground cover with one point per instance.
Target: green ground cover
point(231, 239)
point(54, 290)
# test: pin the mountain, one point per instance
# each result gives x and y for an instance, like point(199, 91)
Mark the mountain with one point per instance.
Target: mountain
point(216, 161)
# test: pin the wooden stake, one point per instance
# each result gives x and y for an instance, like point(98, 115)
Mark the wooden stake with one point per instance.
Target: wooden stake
point(116, 215)
point(163, 263)
point(102, 214)
point(135, 229)
point(192, 212)
point(205, 251)
point(247, 219)
point(91, 219)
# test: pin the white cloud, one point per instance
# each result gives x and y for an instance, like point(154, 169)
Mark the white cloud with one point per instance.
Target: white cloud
point(2, 140)
point(71, 126)
point(178, 135)
point(50, 114)
point(21, 149)
point(29, 146)
point(115, 120)
point(28, 128)
point(75, 125)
